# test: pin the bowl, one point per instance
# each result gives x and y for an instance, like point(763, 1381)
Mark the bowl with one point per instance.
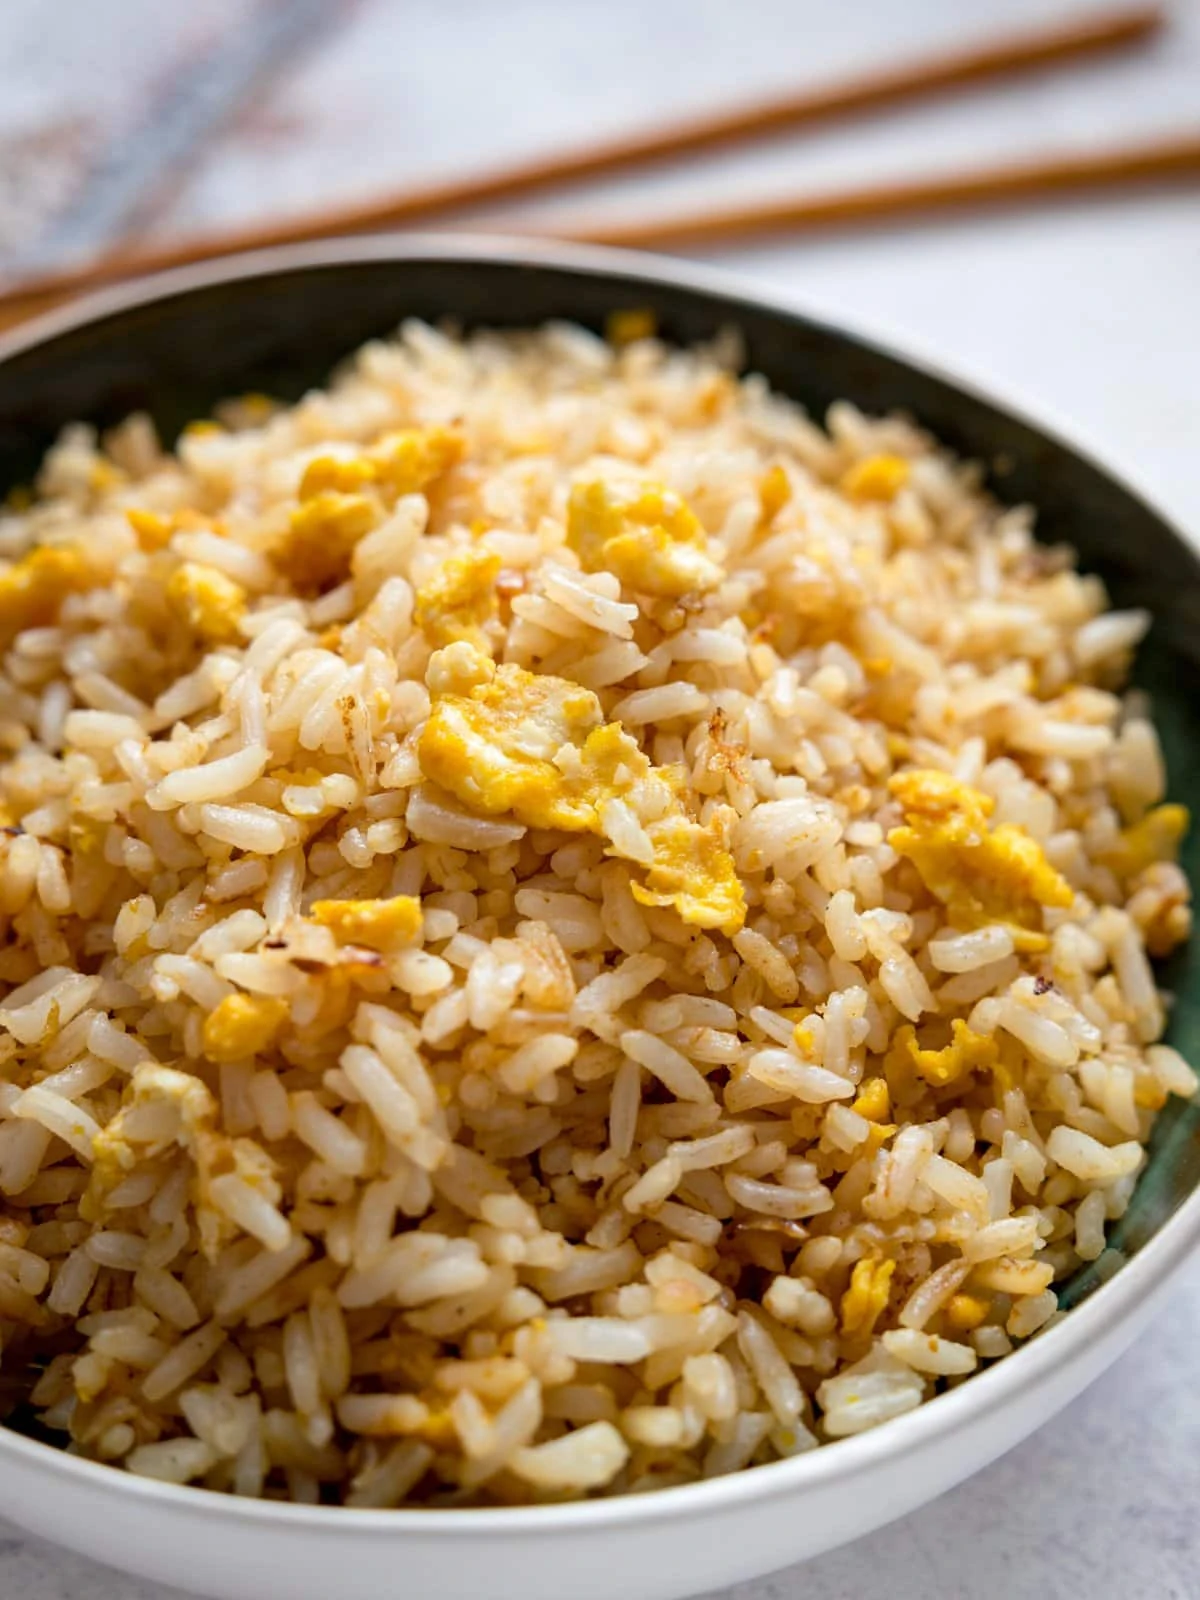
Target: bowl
point(277, 322)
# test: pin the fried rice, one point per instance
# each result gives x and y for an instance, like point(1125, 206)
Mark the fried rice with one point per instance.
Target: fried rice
point(565, 928)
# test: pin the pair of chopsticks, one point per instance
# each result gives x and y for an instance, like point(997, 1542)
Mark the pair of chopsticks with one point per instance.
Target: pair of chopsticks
point(1166, 160)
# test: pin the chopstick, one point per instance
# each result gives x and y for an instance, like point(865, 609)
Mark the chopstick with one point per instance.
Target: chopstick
point(886, 86)
point(1174, 159)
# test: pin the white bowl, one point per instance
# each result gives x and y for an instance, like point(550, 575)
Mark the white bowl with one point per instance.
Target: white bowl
point(659, 1546)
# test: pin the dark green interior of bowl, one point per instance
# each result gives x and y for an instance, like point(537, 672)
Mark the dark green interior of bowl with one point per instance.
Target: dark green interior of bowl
point(282, 331)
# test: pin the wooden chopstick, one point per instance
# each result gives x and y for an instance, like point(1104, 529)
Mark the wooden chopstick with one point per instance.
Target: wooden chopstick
point(1175, 159)
point(1061, 42)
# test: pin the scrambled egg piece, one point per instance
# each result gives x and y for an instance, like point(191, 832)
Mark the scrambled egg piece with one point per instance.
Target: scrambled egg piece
point(1170, 920)
point(411, 461)
point(649, 538)
point(32, 588)
point(206, 601)
point(981, 876)
point(152, 529)
point(1148, 1095)
point(126, 1140)
point(459, 599)
point(529, 744)
point(113, 1155)
point(343, 499)
point(965, 1052)
point(879, 1135)
point(940, 797)
point(774, 492)
point(867, 1297)
point(1008, 1069)
point(215, 1155)
point(873, 1101)
point(1156, 837)
point(406, 462)
point(308, 792)
point(437, 1429)
point(626, 327)
point(965, 1312)
point(383, 925)
point(876, 477)
point(504, 740)
point(242, 1025)
point(104, 475)
point(324, 531)
point(694, 872)
point(331, 474)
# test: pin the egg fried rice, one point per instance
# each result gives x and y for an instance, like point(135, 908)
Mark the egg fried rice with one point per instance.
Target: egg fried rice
point(565, 929)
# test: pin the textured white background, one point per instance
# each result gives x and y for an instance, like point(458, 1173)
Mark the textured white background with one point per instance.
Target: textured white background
point(1087, 311)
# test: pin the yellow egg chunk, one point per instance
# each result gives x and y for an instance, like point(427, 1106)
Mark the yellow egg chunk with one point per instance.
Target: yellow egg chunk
point(649, 538)
point(530, 744)
point(626, 327)
point(33, 588)
point(383, 925)
point(322, 535)
point(876, 477)
point(1156, 837)
point(412, 460)
point(940, 796)
point(342, 498)
point(103, 476)
point(152, 529)
point(400, 463)
point(965, 1052)
point(965, 1312)
point(535, 746)
point(242, 1025)
point(459, 598)
point(113, 1152)
point(878, 1135)
point(981, 876)
point(207, 602)
point(866, 1299)
point(873, 1101)
point(162, 1106)
point(337, 474)
point(218, 1157)
point(774, 492)
point(436, 1429)
point(694, 872)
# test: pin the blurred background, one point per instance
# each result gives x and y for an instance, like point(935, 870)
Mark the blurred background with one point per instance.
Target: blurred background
point(136, 123)
point(139, 123)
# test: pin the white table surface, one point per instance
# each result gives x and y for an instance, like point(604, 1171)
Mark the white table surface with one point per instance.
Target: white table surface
point(1087, 311)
